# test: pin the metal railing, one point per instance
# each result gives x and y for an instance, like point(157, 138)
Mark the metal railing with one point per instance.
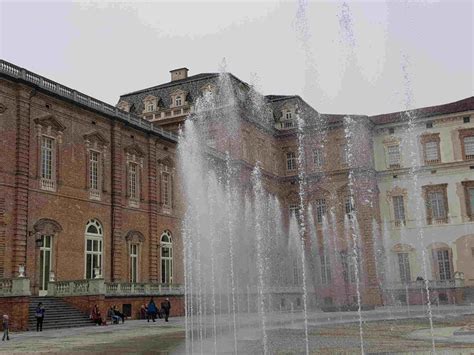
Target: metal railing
point(76, 96)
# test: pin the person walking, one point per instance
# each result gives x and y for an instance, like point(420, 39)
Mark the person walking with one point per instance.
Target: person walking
point(152, 309)
point(39, 314)
point(5, 327)
point(166, 306)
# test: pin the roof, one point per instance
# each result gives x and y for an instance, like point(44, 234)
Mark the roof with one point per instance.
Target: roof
point(464, 105)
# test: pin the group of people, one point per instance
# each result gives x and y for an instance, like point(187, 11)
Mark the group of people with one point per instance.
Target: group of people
point(151, 311)
point(113, 313)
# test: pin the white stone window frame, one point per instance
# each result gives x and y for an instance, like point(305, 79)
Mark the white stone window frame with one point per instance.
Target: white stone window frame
point(150, 103)
point(174, 97)
point(134, 158)
point(318, 157)
point(49, 127)
point(95, 143)
point(170, 258)
point(134, 256)
point(166, 169)
point(134, 240)
point(291, 161)
point(397, 191)
point(94, 237)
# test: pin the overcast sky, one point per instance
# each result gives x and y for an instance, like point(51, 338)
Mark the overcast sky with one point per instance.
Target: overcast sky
point(341, 57)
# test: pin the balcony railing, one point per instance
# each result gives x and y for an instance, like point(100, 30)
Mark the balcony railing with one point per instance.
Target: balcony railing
point(15, 287)
point(47, 184)
point(100, 287)
point(285, 124)
point(432, 284)
point(88, 101)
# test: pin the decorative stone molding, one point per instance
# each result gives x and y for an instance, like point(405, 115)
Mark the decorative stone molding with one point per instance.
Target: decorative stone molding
point(402, 248)
point(46, 226)
point(178, 93)
point(95, 140)
point(135, 154)
point(48, 124)
point(124, 106)
point(134, 237)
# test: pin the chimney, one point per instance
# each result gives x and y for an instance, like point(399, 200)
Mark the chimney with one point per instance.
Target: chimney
point(177, 74)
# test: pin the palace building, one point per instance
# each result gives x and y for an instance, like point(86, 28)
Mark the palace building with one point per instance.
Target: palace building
point(91, 208)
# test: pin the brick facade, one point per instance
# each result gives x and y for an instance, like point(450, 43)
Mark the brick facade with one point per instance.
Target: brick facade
point(26, 208)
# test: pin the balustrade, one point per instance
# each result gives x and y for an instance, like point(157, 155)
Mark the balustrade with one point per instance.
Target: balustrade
point(17, 72)
point(15, 287)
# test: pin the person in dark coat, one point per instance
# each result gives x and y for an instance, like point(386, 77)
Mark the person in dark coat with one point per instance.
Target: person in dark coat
point(152, 310)
point(119, 314)
point(6, 327)
point(39, 315)
point(96, 316)
point(166, 306)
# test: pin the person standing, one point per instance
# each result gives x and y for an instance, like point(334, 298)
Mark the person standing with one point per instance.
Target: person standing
point(5, 327)
point(166, 306)
point(39, 314)
point(152, 309)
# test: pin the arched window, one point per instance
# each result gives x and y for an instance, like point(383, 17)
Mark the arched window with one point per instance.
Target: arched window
point(94, 246)
point(166, 258)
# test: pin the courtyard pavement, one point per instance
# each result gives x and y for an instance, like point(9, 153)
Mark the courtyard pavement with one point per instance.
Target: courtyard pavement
point(139, 336)
point(69, 339)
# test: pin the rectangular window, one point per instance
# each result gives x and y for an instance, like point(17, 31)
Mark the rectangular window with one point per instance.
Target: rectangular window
point(296, 273)
point(348, 268)
point(393, 152)
point(291, 161)
point(436, 202)
point(344, 154)
point(166, 189)
point(444, 264)
point(325, 269)
point(48, 176)
point(318, 158)
point(294, 210)
point(94, 169)
point(133, 186)
point(469, 147)
point(320, 209)
point(432, 152)
point(134, 263)
point(470, 192)
point(404, 267)
point(398, 210)
point(349, 206)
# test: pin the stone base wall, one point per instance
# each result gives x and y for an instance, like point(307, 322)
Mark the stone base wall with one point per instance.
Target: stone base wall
point(85, 303)
point(17, 310)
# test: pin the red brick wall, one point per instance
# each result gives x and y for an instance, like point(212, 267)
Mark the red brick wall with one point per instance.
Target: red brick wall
point(70, 206)
point(17, 310)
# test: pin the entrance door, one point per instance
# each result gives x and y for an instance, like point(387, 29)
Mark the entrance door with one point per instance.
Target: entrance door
point(45, 263)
